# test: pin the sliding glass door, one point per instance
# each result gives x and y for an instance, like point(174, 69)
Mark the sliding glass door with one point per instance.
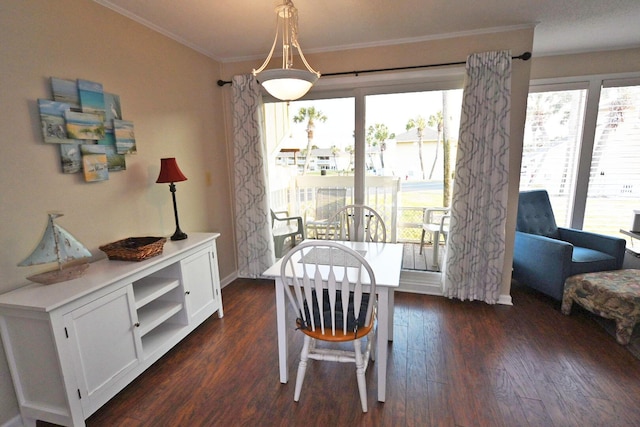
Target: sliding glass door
point(411, 140)
point(391, 147)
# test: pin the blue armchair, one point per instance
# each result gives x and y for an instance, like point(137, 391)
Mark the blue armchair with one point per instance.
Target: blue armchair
point(545, 254)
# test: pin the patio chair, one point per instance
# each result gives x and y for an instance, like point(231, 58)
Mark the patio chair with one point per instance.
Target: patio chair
point(357, 223)
point(433, 222)
point(345, 312)
point(328, 202)
point(285, 228)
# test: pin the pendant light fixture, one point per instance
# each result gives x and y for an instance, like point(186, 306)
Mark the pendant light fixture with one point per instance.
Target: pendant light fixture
point(286, 83)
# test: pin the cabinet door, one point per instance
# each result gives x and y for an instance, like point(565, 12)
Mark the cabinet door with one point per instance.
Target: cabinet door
point(105, 345)
point(199, 274)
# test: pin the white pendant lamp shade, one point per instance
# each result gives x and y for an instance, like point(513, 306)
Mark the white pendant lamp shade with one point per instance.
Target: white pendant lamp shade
point(286, 83)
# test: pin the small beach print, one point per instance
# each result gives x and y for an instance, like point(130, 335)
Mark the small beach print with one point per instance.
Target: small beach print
point(91, 97)
point(52, 121)
point(65, 91)
point(84, 125)
point(113, 110)
point(71, 158)
point(125, 137)
point(94, 163)
point(115, 162)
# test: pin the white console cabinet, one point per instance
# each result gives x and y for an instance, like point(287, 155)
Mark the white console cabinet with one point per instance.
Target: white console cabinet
point(72, 346)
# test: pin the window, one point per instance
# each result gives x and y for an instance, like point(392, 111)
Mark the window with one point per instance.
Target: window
point(582, 144)
point(553, 131)
point(614, 179)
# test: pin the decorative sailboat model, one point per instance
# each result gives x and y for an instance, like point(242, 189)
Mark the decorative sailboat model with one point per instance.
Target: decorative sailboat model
point(58, 245)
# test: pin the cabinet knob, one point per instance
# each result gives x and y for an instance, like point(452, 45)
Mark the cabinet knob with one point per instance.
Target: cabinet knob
point(137, 324)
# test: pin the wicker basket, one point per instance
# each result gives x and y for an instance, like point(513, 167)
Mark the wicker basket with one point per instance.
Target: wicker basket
point(134, 248)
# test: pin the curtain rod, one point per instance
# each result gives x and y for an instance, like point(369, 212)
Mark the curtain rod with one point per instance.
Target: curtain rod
point(525, 57)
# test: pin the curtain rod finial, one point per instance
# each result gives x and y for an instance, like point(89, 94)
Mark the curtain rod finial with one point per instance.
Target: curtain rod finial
point(525, 56)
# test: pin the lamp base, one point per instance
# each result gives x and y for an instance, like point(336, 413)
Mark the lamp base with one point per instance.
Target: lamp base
point(179, 235)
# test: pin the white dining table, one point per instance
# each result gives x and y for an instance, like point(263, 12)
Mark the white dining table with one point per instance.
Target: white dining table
point(386, 261)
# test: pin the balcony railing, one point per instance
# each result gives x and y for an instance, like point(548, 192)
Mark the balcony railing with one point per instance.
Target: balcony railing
point(299, 197)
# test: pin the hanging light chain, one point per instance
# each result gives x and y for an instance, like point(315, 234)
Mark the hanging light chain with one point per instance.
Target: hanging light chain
point(288, 26)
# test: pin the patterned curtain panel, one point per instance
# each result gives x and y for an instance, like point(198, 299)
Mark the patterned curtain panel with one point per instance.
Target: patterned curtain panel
point(253, 229)
point(476, 243)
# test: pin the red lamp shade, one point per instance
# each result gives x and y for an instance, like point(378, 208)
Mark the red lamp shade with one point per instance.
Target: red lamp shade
point(169, 171)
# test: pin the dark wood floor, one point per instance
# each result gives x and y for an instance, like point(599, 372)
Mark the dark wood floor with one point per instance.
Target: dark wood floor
point(452, 363)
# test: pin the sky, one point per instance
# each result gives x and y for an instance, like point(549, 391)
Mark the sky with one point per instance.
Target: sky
point(393, 110)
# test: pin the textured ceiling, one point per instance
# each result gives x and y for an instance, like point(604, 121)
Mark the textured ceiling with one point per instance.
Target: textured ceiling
point(231, 30)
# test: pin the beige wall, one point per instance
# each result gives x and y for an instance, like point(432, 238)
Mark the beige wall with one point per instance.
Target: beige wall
point(166, 89)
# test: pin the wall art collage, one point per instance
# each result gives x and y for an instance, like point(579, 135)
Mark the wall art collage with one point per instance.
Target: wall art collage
point(87, 123)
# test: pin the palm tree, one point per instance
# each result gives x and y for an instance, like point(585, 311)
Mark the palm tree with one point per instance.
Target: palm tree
point(334, 152)
point(420, 124)
point(446, 150)
point(435, 120)
point(377, 134)
point(309, 114)
point(349, 149)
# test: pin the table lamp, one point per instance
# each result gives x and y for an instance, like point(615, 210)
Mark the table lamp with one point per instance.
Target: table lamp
point(170, 172)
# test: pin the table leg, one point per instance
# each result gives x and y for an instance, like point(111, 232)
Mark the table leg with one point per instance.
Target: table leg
point(436, 245)
point(383, 336)
point(281, 319)
point(392, 303)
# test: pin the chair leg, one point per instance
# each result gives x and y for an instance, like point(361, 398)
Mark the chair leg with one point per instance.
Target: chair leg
point(436, 245)
point(373, 337)
point(422, 241)
point(362, 384)
point(278, 243)
point(302, 367)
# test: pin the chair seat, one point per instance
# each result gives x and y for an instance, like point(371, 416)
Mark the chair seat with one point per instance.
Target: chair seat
point(586, 260)
point(353, 323)
point(431, 227)
point(339, 336)
point(285, 230)
point(435, 228)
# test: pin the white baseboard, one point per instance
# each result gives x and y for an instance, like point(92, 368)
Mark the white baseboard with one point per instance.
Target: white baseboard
point(230, 278)
point(416, 282)
point(505, 300)
point(429, 284)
